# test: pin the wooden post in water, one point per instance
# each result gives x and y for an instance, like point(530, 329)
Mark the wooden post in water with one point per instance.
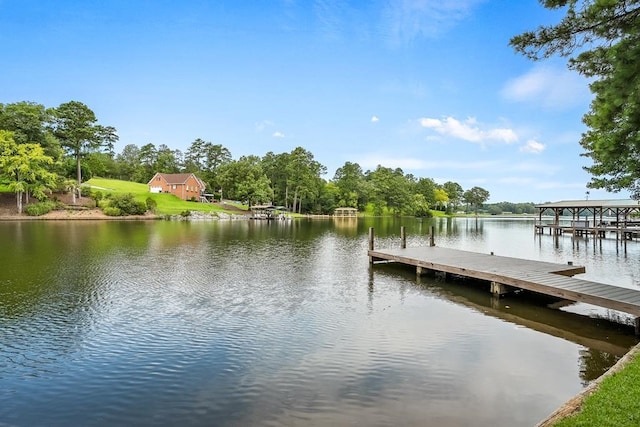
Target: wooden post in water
point(432, 241)
point(403, 237)
point(371, 244)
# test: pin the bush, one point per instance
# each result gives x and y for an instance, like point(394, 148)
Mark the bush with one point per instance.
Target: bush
point(185, 213)
point(41, 208)
point(126, 203)
point(151, 204)
point(97, 196)
point(85, 191)
point(112, 211)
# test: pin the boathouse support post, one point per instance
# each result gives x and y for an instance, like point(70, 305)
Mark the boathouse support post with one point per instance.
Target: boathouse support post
point(403, 237)
point(637, 325)
point(432, 241)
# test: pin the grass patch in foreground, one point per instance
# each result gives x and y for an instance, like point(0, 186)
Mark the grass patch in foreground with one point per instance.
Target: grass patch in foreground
point(167, 204)
point(615, 403)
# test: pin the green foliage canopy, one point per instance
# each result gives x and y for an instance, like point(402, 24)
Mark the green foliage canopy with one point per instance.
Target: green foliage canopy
point(606, 35)
point(25, 166)
point(75, 126)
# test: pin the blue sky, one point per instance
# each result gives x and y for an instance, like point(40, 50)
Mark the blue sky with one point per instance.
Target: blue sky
point(430, 86)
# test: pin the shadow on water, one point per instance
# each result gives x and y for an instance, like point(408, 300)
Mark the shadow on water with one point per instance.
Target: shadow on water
point(604, 341)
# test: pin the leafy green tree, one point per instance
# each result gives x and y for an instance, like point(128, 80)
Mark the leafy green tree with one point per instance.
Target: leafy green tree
point(25, 166)
point(75, 126)
point(391, 190)
point(245, 180)
point(204, 158)
point(148, 158)
point(426, 187)
point(420, 206)
point(303, 176)
point(29, 123)
point(605, 34)
point(100, 164)
point(127, 162)
point(441, 197)
point(454, 193)
point(274, 166)
point(476, 197)
point(329, 199)
point(351, 186)
point(167, 160)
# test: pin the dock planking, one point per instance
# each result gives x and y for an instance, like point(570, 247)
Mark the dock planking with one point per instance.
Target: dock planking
point(538, 276)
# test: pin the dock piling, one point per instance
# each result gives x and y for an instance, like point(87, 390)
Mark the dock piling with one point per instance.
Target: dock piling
point(371, 237)
point(432, 236)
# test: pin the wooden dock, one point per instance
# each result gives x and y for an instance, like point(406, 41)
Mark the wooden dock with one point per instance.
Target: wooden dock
point(505, 273)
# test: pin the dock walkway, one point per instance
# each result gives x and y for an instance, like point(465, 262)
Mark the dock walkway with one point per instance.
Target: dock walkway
point(503, 272)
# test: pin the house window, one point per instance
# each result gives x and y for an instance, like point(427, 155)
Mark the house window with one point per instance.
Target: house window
point(174, 186)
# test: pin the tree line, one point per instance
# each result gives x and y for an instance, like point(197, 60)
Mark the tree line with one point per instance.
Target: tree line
point(45, 149)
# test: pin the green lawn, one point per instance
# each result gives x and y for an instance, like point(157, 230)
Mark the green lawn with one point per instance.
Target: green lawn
point(168, 204)
point(615, 403)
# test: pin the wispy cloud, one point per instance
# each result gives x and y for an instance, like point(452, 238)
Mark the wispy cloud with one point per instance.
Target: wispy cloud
point(550, 87)
point(371, 161)
point(469, 130)
point(406, 20)
point(264, 124)
point(278, 134)
point(533, 146)
point(330, 16)
point(375, 119)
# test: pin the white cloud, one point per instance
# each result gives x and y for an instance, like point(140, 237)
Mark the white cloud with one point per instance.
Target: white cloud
point(533, 146)
point(409, 19)
point(468, 130)
point(264, 124)
point(551, 87)
point(373, 160)
point(278, 134)
point(375, 119)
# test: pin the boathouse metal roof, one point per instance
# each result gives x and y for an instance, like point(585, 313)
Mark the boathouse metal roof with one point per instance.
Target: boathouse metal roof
point(585, 204)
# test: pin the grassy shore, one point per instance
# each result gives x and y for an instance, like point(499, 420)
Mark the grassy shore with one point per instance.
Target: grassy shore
point(612, 400)
point(167, 204)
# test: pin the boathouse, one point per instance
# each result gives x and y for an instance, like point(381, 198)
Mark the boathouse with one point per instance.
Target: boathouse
point(595, 217)
point(345, 213)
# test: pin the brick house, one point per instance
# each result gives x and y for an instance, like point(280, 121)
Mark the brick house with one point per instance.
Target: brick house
point(186, 186)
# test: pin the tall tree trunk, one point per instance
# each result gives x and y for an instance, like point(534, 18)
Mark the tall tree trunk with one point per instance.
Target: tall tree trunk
point(300, 204)
point(286, 197)
point(78, 169)
point(19, 201)
point(295, 200)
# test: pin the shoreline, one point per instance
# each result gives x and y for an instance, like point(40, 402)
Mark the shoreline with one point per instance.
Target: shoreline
point(77, 215)
point(574, 405)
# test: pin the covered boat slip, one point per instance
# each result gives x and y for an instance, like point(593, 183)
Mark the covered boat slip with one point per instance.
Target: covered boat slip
point(595, 217)
point(269, 212)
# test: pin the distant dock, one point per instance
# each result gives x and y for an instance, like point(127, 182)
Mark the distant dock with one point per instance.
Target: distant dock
point(505, 274)
point(593, 217)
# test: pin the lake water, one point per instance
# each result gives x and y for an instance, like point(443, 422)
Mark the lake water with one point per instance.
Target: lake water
point(237, 323)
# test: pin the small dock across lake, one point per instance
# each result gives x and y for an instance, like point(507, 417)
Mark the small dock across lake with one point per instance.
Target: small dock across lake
point(504, 273)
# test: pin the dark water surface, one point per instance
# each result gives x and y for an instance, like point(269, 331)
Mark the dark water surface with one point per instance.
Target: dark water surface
point(255, 323)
